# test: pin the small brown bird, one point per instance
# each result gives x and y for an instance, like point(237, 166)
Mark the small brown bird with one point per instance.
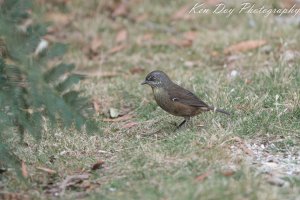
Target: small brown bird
point(175, 99)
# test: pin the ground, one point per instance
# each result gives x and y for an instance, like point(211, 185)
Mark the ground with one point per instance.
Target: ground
point(247, 64)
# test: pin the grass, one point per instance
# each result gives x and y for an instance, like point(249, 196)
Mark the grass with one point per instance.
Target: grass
point(151, 160)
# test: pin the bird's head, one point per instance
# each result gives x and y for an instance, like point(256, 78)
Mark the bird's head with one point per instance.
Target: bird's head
point(157, 79)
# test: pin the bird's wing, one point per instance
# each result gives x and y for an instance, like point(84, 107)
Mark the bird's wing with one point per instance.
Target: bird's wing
point(179, 94)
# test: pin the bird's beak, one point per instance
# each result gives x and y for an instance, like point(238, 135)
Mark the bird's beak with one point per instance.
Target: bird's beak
point(144, 82)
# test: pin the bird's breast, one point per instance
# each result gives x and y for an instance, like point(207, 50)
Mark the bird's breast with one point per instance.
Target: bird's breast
point(162, 99)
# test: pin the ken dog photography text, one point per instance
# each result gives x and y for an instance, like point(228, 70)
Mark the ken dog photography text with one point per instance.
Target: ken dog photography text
point(248, 8)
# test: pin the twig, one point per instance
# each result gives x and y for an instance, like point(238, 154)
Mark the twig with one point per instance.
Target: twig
point(129, 148)
point(237, 139)
point(70, 180)
point(102, 151)
point(49, 171)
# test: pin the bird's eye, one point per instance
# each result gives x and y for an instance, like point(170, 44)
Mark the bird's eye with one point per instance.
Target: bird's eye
point(151, 78)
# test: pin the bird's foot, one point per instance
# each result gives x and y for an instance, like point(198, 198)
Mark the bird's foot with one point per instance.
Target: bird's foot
point(173, 123)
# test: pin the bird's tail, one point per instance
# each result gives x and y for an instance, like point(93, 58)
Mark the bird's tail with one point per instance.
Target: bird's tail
point(219, 110)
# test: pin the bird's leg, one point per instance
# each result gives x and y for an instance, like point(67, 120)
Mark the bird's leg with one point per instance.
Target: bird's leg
point(181, 123)
point(186, 119)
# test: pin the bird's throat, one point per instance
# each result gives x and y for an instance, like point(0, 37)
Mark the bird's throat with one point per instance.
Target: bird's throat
point(158, 91)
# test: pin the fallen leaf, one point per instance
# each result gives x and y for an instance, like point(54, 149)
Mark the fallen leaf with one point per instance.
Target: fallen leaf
point(121, 36)
point(96, 105)
point(290, 3)
point(228, 172)
point(121, 9)
point(189, 63)
point(190, 35)
point(144, 38)
point(203, 176)
point(181, 43)
point(130, 125)
point(214, 53)
point(141, 18)
point(49, 171)
point(248, 81)
point(182, 13)
point(98, 165)
point(119, 119)
point(116, 49)
point(244, 46)
point(95, 44)
point(24, 169)
point(185, 43)
point(50, 37)
point(58, 18)
point(147, 36)
point(137, 70)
